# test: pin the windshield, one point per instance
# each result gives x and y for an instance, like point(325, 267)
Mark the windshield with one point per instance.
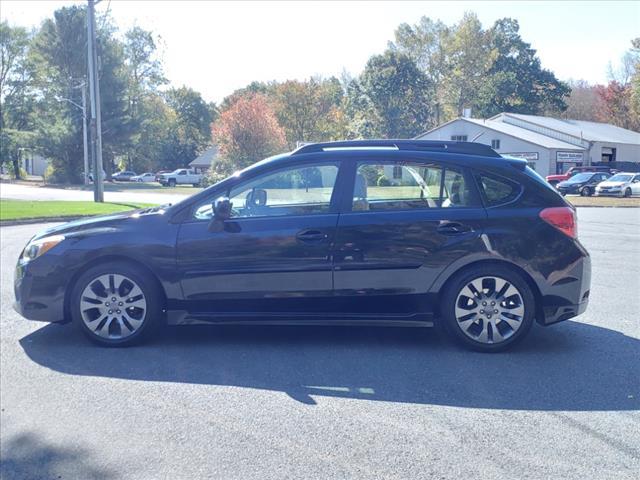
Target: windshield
point(620, 178)
point(580, 177)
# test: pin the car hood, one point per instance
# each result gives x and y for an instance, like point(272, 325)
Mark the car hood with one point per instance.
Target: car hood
point(612, 184)
point(101, 223)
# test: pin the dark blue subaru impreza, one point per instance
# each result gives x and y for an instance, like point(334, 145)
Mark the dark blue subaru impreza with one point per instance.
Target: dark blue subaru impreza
point(383, 232)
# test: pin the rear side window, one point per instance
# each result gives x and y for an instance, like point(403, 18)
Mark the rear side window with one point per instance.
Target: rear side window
point(497, 190)
point(409, 186)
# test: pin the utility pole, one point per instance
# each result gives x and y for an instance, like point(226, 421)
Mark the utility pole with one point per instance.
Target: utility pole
point(84, 133)
point(94, 93)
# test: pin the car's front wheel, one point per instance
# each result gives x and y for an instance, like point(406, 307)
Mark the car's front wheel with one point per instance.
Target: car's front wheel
point(488, 308)
point(627, 192)
point(116, 305)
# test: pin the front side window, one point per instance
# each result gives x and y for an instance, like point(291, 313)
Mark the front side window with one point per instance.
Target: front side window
point(302, 190)
point(407, 186)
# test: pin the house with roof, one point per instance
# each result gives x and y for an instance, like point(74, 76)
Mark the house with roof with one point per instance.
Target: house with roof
point(203, 162)
point(550, 145)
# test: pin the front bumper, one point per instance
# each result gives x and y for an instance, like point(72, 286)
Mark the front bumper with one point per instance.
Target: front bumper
point(568, 190)
point(39, 292)
point(606, 193)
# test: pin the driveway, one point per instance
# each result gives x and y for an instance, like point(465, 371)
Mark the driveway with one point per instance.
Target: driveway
point(27, 192)
point(312, 402)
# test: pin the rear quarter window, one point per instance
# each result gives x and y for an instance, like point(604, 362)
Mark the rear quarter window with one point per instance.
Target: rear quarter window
point(497, 190)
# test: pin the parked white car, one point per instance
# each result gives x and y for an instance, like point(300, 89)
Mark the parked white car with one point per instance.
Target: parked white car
point(181, 176)
point(145, 177)
point(622, 184)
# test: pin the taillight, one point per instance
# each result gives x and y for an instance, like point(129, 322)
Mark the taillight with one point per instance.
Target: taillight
point(562, 218)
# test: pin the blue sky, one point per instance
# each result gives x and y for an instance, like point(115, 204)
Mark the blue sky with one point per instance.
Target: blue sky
point(216, 47)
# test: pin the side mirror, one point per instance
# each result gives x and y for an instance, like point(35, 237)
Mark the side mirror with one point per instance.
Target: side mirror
point(256, 198)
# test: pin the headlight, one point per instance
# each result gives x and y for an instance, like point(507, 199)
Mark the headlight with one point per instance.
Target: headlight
point(35, 248)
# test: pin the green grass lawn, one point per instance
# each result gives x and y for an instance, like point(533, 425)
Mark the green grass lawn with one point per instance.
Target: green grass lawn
point(21, 209)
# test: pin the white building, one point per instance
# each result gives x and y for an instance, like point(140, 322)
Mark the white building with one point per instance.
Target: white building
point(551, 145)
point(33, 163)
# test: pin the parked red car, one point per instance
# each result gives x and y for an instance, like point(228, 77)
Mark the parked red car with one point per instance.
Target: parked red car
point(555, 179)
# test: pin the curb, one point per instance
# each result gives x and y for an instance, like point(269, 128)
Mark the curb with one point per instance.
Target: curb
point(29, 221)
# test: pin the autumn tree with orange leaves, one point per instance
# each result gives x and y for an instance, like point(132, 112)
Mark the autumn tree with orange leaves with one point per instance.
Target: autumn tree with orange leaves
point(246, 132)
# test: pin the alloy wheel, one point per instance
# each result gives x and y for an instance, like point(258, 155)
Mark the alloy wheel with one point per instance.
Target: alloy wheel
point(489, 309)
point(113, 306)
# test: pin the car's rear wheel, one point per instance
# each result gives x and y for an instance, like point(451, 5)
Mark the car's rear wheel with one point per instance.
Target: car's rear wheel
point(488, 308)
point(116, 304)
point(586, 192)
point(627, 192)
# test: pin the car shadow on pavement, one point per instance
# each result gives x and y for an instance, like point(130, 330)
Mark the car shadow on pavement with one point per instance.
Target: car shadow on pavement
point(27, 456)
point(572, 367)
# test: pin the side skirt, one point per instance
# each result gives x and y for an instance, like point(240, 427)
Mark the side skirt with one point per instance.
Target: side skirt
point(178, 317)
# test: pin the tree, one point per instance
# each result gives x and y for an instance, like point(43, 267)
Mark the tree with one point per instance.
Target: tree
point(391, 99)
point(516, 81)
point(489, 71)
point(17, 99)
point(469, 59)
point(144, 75)
point(617, 108)
point(58, 54)
point(424, 44)
point(245, 133)
point(620, 98)
point(583, 103)
point(305, 110)
point(192, 129)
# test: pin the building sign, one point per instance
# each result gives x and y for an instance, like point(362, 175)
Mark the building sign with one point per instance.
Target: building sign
point(569, 156)
point(529, 156)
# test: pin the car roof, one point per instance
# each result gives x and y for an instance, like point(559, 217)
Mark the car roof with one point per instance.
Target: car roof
point(461, 153)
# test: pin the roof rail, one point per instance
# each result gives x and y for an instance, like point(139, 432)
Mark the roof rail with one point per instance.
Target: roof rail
point(465, 148)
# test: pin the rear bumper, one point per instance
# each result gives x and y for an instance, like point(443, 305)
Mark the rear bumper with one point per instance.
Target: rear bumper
point(567, 295)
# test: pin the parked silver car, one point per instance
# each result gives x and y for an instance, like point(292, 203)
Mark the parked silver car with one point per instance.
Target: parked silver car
point(623, 184)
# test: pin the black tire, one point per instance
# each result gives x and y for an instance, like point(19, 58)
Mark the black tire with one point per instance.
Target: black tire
point(586, 192)
point(627, 192)
point(172, 182)
point(152, 319)
point(462, 279)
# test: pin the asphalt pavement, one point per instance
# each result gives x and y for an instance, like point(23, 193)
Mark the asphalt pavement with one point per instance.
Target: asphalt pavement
point(278, 402)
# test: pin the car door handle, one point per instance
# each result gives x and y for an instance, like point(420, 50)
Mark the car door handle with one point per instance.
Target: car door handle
point(453, 228)
point(311, 236)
